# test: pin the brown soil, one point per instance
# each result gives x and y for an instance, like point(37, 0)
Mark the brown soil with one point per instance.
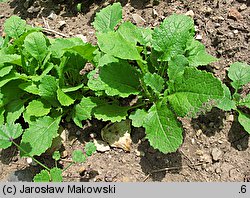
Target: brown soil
point(215, 148)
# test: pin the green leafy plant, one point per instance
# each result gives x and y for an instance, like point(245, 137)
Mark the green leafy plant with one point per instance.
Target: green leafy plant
point(239, 73)
point(158, 67)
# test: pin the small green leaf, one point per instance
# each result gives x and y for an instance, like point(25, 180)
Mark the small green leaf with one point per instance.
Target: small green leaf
point(56, 175)
point(38, 137)
point(35, 45)
point(163, 130)
point(78, 156)
point(172, 35)
point(226, 103)
point(63, 98)
point(9, 58)
point(29, 87)
point(192, 91)
point(197, 55)
point(1, 114)
point(14, 26)
point(244, 120)
point(119, 47)
point(110, 112)
point(108, 18)
point(43, 176)
point(176, 66)
point(5, 70)
point(116, 79)
point(56, 155)
point(138, 117)
point(89, 148)
point(245, 101)
point(9, 132)
point(37, 108)
point(154, 81)
point(83, 110)
point(239, 73)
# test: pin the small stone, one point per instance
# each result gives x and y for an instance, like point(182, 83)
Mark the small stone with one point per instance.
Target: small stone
point(216, 25)
point(62, 24)
point(206, 158)
point(138, 19)
point(199, 152)
point(190, 13)
point(199, 132)
point(230, 118)
point(216, 154)
point(139, 153)
point(101, 146)
point(243, 7)
point(154, 13)
point(198, 37)
point(193, 141)
point(236, 31)
point(92, 135)
point(52, 15)
point(81, 170)
point(218, 170)
point(239, 147)
point(234, 14)
point(33, 9)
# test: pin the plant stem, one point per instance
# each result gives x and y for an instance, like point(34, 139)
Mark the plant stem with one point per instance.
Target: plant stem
point(68, 166)
point(21, 149)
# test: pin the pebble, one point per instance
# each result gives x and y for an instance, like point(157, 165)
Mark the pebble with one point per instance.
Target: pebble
point(64, 154)
point(30, 161)
point(234, 14)
point(33, 9)
point(190, 13)
point(199, 132)
point(243, 7)
point(239, 147)
point(52, 15)
point(216, 25)
point(62, 24)
point(198, 37)
point(216, 154)
point(206, 158)
point(154, 13)
point(101, 146)
point(193, 141)
point(138, 19)
point(230, 118)
point(139, 153)
point(199, 152)
point(236, 31)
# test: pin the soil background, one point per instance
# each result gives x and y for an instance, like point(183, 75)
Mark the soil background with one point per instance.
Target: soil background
point(215, 148)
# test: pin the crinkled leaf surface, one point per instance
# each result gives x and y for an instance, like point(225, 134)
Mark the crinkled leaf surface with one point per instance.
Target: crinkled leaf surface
point(138, 117)
point(38, 137)
point(29, 87)
point(176, 66)
point(226, 103)
point(35, 45)
point(86, 51)
point(110, 112)
point(197, 55)
point(244, 120)
point(172, 35)
point(155, 81)
point(116, 79)
point(43, 176)
point(56, 155)
point(37, 108)
point(162, 128)
point(9, 58)
point(189, 92)
point(7, 132)
point(114, 44)
point(14, 26)
point(48, 89)
point(239, 73)
point(108, 18)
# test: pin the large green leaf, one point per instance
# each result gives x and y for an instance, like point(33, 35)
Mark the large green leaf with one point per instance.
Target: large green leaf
point(14, 109)
point(171, 37)
point(35, 45)
point(114, 44)
point(138, 117)
point(226, 103)
point(194, 91)
point(197, 54)
point(116, 79)
point(239, 73)
point(163, 130)
point(14, 26)
point(9, 132)
point(38, 137)
point(86, 51)
point(43, 176)
point(9, 58)
point(48, 89)
point(244, 120)
point(56, 174)
point(63, 98)
point(37, 108)
point(108, 18)
point(110, 112)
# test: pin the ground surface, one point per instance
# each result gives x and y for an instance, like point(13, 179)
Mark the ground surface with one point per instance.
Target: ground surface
point(215, 148)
